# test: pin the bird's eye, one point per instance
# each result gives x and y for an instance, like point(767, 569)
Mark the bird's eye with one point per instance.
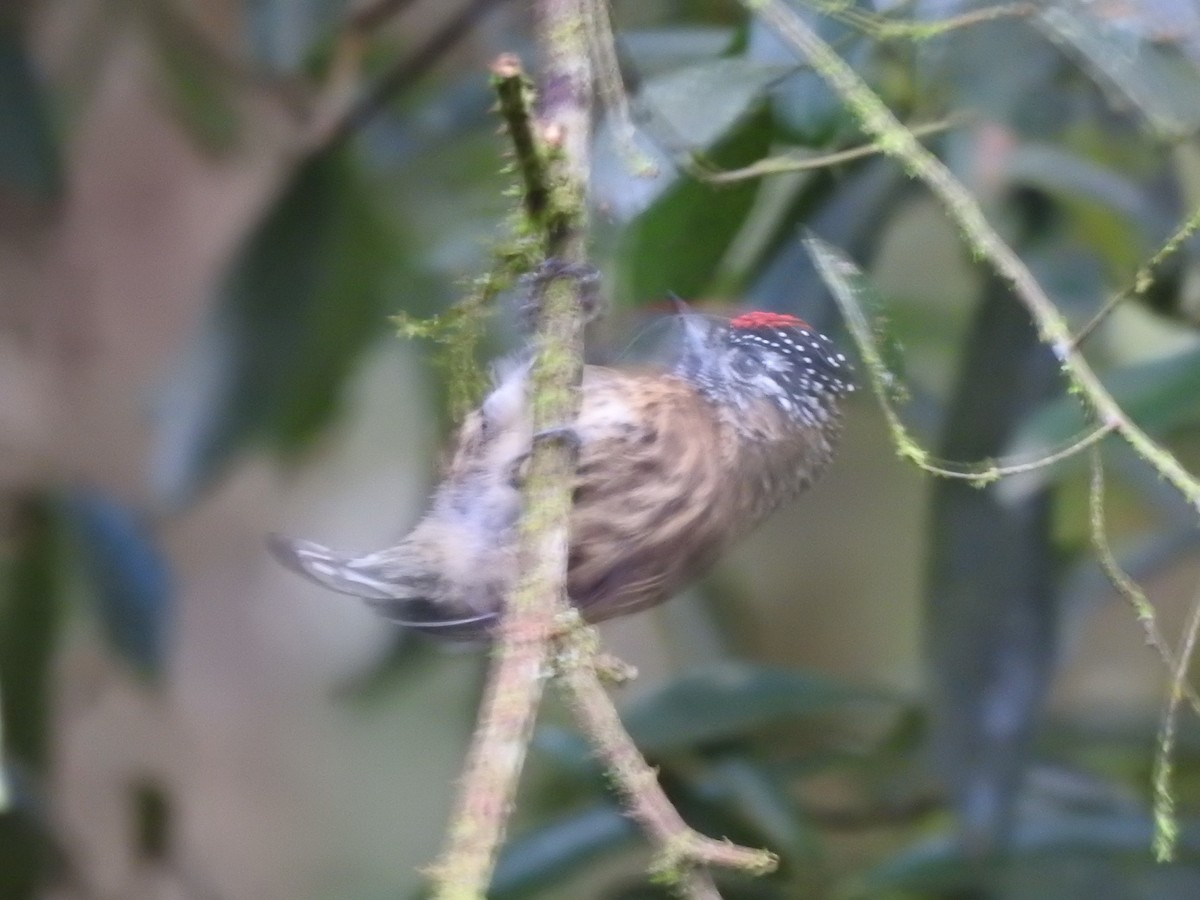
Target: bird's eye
point(746, 365)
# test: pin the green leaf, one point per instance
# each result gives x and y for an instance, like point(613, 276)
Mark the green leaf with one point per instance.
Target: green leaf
point(297, 306)
point(763, 801)
point(677, 245)
point(674, 125)
point(551, 852)
point(701, 103)
point(654, 51)
point(1110, 211)
point(804, 107)
point(1162, 396)
point(733, 700)
point(1132, 62)
point(29, 158)
point(942, 862)
point(863, 309)
point(31, 618)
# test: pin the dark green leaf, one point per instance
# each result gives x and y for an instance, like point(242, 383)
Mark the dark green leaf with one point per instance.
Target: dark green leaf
point(734, 700)
point(296, 308)
point(30, 621)
point(674, 125)
point(128, 576)
point(942, 862)
point(30, 617)
point(762, 801)
point(551, 852)
point(567, 750)
point(654, 51)
point(677, 245)
point(805, 108)
point(1131, 62)
point(699, 104)
point(29, 159)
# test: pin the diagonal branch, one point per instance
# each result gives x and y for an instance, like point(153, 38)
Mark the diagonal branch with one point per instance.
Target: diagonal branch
point(896, 140)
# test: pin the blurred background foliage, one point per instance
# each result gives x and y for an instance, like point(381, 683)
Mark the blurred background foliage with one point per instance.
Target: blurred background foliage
point(907, 688)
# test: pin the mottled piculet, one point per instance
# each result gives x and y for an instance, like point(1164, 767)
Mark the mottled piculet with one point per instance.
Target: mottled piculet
point(675, 464)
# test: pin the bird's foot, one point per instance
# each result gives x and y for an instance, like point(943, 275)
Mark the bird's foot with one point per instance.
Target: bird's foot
point(585, 275)
point(567, 434)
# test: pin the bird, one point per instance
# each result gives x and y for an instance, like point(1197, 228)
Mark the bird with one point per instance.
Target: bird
point(675, 464)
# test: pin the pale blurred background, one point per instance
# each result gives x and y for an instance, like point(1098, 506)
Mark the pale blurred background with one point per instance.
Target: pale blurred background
point(233, 732)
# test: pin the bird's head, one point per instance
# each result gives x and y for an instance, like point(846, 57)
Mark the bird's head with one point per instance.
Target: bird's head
point(759, 356)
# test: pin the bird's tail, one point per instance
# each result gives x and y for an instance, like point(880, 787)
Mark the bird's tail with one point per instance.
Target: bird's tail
point(397, 583)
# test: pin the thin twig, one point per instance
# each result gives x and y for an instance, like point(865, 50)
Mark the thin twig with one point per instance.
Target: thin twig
point(839, 274)
point(983, 240)
point(1143, 279)
point(681, 848)
point(354, 116)
point(516, 107)
point(802, 161)
point(1166, 825)
point(1128, 589)
point(882, 28)
point(611, 89)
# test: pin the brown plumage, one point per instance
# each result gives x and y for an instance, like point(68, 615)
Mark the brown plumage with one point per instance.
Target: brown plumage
point(674, 466)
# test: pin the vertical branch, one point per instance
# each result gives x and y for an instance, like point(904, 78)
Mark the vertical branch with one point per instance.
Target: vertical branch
point(509, 708)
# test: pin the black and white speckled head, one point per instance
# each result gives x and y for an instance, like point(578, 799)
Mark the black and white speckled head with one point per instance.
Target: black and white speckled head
point(767, 356)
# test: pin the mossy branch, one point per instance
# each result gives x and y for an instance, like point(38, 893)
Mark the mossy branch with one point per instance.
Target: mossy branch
point(552, 158)
point(540, 634)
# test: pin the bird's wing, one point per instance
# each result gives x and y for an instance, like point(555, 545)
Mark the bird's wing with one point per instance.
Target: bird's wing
point(649, 494)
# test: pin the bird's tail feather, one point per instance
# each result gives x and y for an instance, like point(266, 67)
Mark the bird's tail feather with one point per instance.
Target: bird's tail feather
point(403, 598)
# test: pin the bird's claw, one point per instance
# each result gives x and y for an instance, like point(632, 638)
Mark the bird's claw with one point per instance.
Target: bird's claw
point(567, 434)
point(585, 275)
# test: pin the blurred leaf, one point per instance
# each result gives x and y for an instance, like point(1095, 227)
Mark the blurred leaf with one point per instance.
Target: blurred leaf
point(30, 620)
point(941, 863)
point(567, 750)
point(128, 575)
point(663, 249)
point(1162, 396)
point(803, 106)
point(193, 78)
point(298, 305)
point(654, 51)
point(551, 852)
point(963, 65)
point(865, 314)
point(29, 159)
point(1111, 212)
point(283, 33)
point(153, 818)
point(733, 700)
point(764, 803)
point(674, 125)
point(730, 89)
point(1130, 62)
